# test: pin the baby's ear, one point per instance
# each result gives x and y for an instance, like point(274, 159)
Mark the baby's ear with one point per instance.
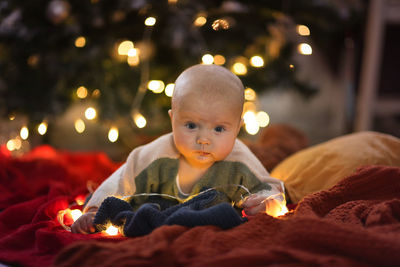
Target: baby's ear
point(170, 113)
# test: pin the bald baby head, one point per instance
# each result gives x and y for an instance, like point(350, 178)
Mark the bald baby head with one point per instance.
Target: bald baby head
point(210, 82)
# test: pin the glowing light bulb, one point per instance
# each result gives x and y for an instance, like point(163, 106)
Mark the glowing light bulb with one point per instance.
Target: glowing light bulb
point(17, 143)
point(200, 21)
point(42, 128)
point(133, 52)
point(75, 214)
point(251, 125)
point(156, 86)
point(303, 30)
point(257, 61)
point(220, 24)
point(113, 134)
point(250, 94)
point(81, 92)
point(133, 61)
point(10, 145)
point(24, 133)
point(169, 89)
point(150, 21)
point(79, 126)
point(304, 49)
point(140, 121)
point(262, 118)
point(207, 59)
point(239, 68)
point(124, 47)
point(80, 41)
point(112, 230)
point(90, 113)
point(219, 60)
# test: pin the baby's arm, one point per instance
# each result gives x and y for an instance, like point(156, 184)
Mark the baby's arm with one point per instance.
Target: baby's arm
point(262, 202)
point(84, 224)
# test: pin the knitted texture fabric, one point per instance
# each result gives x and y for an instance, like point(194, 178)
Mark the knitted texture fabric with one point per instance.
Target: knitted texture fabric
point(207, 208)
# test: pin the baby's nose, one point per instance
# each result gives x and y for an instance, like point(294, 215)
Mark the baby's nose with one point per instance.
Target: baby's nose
point(203, 140)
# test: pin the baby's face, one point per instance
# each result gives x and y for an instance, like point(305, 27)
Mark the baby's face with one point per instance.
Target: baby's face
point(205, 129)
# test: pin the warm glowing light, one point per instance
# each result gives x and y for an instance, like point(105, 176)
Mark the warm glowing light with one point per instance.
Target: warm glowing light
point(172, 1)
point(250, 94)
point(150, 21)
point(304, 49)
point(257, 61)
point(113, 134)
point(239, 68)
point(79, 126)
point(10, 145)
point(207, 59)
point(251, 125)
point(90, 113)
point(96, 93)
point(156, 86)
point(75, 214)
point(80, 200)
point(24, 133)
point(124, 47)
point(133, 52)
point(248, 106)
point(200, 21)
point(80, 41)
point(140, 121)
point(262, 118)
point(112, 230)
point(169, 89)
point(11, 117)
point(303, 30)
point(82, 92)
point(42, 128)
point(220, 24)
point(291, 66)
point(133, 61)
point(219, 60)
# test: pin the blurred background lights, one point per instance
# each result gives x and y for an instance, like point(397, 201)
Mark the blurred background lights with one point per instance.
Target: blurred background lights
point(303, 30)
point(257, 61)
point(79, 126)
point(124, 47)
point(140, 121)
point(304, 49)
point(133, 61)
point(249, 106)
point(250, 94)
point(24, 133)
point(200, 21)
point(262, 118)
point(80, 41)
point(14, 144)
point(169, 89)
point(133, 52)
point(156, 86)
point(90, 113)
point(251, 125)
point(113, 134)
point(219, 60)
point(207, 59)
point(239, 68)
point(75, 214)
point(82, 92)
point(220, 24)
point(150, 21)
point(42, 128)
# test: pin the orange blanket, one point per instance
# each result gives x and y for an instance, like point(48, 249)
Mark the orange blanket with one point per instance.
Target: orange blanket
point(355, 223)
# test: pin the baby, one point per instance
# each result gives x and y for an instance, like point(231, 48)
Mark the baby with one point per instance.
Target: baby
point(201, 152)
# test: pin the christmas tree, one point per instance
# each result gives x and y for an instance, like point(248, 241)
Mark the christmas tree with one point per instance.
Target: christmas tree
point(122, 56)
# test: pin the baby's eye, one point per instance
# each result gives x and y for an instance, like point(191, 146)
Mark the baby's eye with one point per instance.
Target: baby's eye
point(219, 129)
point(190, 125)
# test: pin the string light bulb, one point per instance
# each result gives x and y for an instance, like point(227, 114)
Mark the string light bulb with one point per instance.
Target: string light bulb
point(124, 47)
point(257, 61)
point(250, 94)
point(42, 128)
point(150, 21)
point(156, 86)
point(24, 133)
point(304, 49)
point(75, 214)
point(262, 118)
point(79, 126)
point(239, 68)
point(200, 21)
point(251, 125)
point(303, 30)
point(207, 59)
point(80, 41)
point(81, 92)
point(112, 230)
point(139, 120)
point(169, 89)
point(113, 134)
point(90, 113)
point(219, 60)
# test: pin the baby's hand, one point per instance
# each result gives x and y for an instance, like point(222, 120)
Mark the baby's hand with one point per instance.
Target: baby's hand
point(84, 224)
point(261, 204)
